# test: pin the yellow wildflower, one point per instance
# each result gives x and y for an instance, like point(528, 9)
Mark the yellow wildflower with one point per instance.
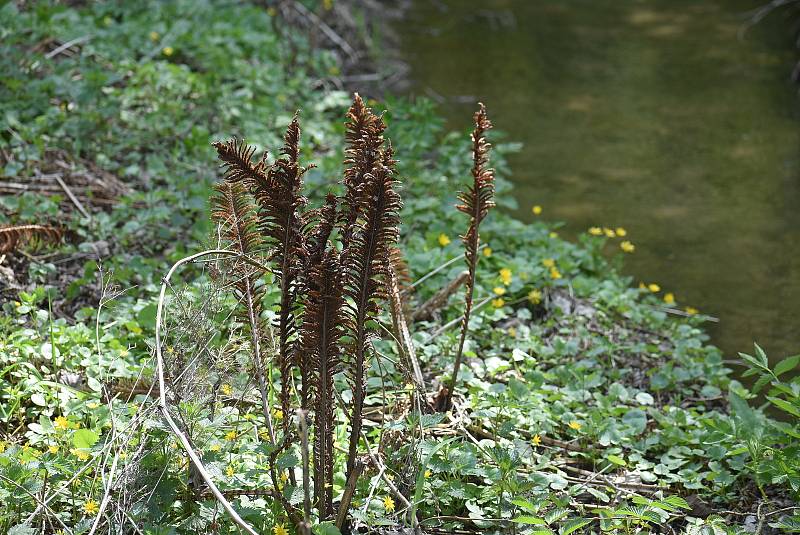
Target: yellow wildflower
point(124, 353)
point(487, 252)
point(512, 332)
point(596, 231)
point(92, 405)
point(653, 287)
point(669, 298)
point(627, 246)
point(154, 36)
point(388, 504)
point(575, 425)
point(554, 273)
point(90, 507)
point(52, 449)
point(443, 239)
point(61, 423)
point(279, 414)
point(428, 474)
point(279, 530)
point(609, 232)
point(506, 275)
point(536, 209)
point(227, 389)
point(168, 51)
point(230, 436)
point(499, 290)
point(642, 286)
point(553, 235)
point(548, 262)
point(691, 311)
point(535, 297)
point(499, 302)
point(215, 447)
point(621, 232)
point(82, 455)
point(537, 440)
point(230, 471)
point(284, 476)
point(3, 444)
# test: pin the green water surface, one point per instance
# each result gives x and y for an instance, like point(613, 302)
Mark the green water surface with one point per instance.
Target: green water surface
point(661, 116)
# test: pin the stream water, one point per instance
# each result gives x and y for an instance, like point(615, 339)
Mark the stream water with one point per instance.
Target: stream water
point(660, 116)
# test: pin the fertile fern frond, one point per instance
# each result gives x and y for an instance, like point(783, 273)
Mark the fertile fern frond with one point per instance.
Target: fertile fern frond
point(277, 191)
point(475, 202)
point(12, 236)
point(322, 332)
point(364, 135)
point(365, 264)
point(235, 214)
point(318, 228)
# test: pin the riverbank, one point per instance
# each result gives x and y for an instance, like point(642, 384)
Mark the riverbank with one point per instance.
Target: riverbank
point(585, 404)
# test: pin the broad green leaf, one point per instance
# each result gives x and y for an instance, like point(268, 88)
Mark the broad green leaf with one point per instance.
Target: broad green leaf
point(786, 364)
point(573, 525)
point(326, 528)
point(524, 519)
point(85, 438)
point(617, 460)
point(785, 406)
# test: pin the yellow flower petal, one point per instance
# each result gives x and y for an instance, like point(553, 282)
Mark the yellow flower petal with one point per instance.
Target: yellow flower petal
point(499, 302)
point(444, 240)
point(596, 231)
point(506, 275)
point(535, 297)
point(548, 262)
point(627, 246)
point(669, 298)
point(499, 290)
point(537, 210)
point(653, 287)
point(575, 425)
point(621, 232)
point(487, 252)
point(388, 504)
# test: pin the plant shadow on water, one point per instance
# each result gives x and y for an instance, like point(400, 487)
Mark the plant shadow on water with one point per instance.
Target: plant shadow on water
point(666, 118)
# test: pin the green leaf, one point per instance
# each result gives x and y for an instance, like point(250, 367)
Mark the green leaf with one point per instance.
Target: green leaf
point(525, 505)
point(524, 519)
point(85, 438)
point(573, 525)
point(617, 460)
point(785, 406)
point(147, 316)
point(326, 528)
point(22, 529)
point(786, 364)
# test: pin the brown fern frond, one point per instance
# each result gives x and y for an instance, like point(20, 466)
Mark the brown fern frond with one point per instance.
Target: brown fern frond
point(319, 225)
point(322, 332)
point(475, 202)
point(237, 159)
point(365, 263)
point(364, 135)
point(11, 237)
point(277, 191)
point(235, 214)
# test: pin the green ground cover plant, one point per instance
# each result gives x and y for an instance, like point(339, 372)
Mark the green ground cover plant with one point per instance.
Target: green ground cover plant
point(584, 403)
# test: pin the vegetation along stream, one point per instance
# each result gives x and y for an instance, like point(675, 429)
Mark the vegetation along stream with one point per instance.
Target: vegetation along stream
point(668, 118)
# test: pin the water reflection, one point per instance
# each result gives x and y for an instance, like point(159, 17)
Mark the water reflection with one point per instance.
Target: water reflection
point(654, 116)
